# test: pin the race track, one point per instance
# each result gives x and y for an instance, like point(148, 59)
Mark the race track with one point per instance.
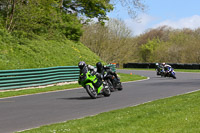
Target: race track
point(24, 112)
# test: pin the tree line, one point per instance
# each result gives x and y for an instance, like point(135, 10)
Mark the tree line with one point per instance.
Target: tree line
point(60, 18)
point(57, 18)
point(114, 43)
point(108, 38)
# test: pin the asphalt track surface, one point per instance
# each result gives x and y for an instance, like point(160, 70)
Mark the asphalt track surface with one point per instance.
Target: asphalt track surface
point(25, 112)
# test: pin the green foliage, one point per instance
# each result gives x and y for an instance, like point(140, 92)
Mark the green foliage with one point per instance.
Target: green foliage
point(50, 16)
point(181, 47)
point(162, 44)
point(70, 27)
point(110, 42)
point(35, 33)
point(89, 8)
point(43, 18)
point(147, 50)
point(36, 16)
point(24, 53)
point(12, 93)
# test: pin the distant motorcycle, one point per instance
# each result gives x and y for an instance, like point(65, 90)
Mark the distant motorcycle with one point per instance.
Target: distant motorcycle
point(170, 73)
point(93, 85)
point(159, 69)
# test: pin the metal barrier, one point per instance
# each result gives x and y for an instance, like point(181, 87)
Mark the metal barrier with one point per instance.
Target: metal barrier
point(113, 67)
point(22, 78)
point(152, 65)
point(12, 79)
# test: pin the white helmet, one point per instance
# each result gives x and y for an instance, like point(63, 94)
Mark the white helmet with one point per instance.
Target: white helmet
point(163, 63)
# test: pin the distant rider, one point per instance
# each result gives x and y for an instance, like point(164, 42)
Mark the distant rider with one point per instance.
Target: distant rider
point(102, 69)
point(159, 68)
point(158, 65)
point(166, 67)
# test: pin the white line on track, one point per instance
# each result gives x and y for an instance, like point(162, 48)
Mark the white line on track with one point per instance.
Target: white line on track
point(65, 90)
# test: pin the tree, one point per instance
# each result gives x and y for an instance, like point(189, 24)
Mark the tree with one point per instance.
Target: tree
point(147, 50)
point(48, 16)
point(38, 17)
point(110, 42)
point(99, 8)
point(132, 6)
point(88, 8)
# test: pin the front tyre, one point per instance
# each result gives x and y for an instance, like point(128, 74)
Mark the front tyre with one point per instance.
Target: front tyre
point(173, 75)
point(91, 91)
point(106, 90)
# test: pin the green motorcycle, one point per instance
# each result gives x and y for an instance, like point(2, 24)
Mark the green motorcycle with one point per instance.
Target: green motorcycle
point(93, 85)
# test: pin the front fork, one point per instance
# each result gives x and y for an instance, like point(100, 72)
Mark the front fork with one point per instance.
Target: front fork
point(98, 90)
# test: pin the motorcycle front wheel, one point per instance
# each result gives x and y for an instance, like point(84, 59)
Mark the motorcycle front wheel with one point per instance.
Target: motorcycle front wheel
point(91, 91)
point(173, 76)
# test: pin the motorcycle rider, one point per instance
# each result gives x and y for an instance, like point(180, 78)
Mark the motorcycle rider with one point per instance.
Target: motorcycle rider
point(82, 65)
point(166, 67)
point(102, 69)
point(159, 68)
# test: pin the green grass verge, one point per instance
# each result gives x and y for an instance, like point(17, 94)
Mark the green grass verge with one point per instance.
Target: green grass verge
point(11, 93)
point(176, 70)
point(127, 77)
point(187, 70)
point(179, 114)
point(40, 52)
point(124, 78)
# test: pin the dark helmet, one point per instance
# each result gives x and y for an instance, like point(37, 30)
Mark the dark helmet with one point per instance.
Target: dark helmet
point(99, 65)
point(81, 64)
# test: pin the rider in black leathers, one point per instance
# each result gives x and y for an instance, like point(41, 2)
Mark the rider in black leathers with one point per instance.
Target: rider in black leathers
point(159, 69)
point(102, 69)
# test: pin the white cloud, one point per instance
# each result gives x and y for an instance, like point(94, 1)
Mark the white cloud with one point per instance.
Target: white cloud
point(192, 22)
point(138, 27)
point(146, 21)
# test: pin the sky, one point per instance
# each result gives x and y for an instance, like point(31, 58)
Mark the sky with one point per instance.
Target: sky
point(177, 14)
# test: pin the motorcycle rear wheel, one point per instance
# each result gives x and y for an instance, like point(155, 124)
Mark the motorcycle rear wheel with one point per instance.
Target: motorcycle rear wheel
point(119, 86)
point(112, 89)
point(106, 92)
